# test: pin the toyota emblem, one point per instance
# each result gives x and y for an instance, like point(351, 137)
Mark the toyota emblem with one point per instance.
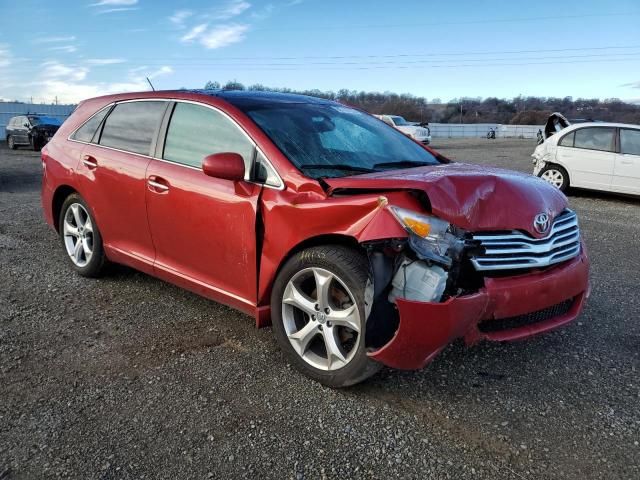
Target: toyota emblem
point(541, 223)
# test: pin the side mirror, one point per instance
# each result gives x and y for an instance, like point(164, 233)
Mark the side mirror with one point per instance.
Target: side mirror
point(226, 165)
point(25, 124)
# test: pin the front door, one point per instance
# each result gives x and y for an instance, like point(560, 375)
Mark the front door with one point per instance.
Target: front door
point(203, 228)
point(626, 173)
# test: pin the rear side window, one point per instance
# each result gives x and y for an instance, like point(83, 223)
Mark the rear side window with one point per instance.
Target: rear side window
point(132, 126)
point(595, 138)
point(196, 132)
point(630, 141)
point(567, 140)
point(86, 132)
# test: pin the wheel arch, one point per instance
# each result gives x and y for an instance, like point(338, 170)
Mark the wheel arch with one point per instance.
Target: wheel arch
point(267, 279)
point(555, 163)
point(59, 196)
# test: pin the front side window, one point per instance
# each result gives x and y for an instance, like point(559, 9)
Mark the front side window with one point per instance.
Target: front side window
point(595, 138)
point(567, 140)
point(630, 141)
point(196, 131)
point(131, 126)
point(331, 140)
point(86, 132)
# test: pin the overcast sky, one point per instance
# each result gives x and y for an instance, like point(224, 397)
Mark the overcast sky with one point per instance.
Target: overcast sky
point(78, 49)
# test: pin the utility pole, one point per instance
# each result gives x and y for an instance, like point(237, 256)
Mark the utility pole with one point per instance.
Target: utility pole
point(460, 111)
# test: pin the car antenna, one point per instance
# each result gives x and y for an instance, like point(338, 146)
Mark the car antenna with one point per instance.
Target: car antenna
point(152, 87)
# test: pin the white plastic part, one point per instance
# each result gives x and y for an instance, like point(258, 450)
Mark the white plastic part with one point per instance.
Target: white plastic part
point(415, 280)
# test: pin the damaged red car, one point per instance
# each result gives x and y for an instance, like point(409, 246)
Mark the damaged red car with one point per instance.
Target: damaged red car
point(360, 246)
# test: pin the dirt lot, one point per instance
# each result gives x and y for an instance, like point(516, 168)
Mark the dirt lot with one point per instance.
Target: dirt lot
point(129, 377)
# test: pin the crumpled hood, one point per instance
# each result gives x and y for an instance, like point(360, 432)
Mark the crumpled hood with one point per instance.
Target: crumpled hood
point(472, 197)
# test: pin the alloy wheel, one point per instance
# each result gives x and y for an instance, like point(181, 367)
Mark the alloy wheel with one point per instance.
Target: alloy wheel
point(321, 318)
point(554, 177)
point(78, 234)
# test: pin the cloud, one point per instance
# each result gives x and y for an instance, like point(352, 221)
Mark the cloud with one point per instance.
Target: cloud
point(232, 9)
point(105, 61)
point(194, 33)
point(113, 10)
point(631, 84)
point(264, 13)
point(216, 37)
point(69, 38)
point(69, 82)
point(55, 70)
point(64, 48)
point(179, 17)
point(103, 3)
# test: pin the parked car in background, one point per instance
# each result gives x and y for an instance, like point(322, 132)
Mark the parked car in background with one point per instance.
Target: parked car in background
point(360, 247)
point(31, 130)
point(419, 133)
point(594, 155)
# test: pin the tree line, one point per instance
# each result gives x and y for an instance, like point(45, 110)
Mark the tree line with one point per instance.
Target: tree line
point(520, 110)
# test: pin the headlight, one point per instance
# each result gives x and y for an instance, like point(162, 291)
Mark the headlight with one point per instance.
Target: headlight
point(429, 236)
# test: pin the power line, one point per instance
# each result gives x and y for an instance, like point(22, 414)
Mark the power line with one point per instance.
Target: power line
point(397, 55)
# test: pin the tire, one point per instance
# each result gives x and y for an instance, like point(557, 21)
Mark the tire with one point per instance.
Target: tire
point(77, 226)
point(11, 143)
point(348, 273)
point(556, 176)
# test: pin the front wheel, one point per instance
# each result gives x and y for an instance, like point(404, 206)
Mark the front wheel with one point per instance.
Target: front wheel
point(319, 315)
point(11, 143)
point(556, 176)
point(81, 237)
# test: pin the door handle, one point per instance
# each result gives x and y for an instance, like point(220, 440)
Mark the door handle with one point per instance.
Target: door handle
point(89, 161)
point(157, 184)
point(626, 162)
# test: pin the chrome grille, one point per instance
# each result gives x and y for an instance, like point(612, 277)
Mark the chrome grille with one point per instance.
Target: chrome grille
point(515, 249)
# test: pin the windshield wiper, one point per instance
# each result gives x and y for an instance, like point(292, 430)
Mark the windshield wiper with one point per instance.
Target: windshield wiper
point(350, 168)
point(402, 164)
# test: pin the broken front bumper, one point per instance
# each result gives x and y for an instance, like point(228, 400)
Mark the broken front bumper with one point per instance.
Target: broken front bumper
point(526, 305)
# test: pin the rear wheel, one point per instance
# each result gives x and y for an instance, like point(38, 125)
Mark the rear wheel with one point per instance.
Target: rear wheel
point(81, 237)
point(556, 176)
point(11, 143)
point(318, 314)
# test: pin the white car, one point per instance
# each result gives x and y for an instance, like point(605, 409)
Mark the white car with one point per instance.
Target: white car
point(593, 155)
point(418, 133)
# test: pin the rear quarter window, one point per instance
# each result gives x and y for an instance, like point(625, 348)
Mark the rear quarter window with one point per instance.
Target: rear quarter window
point(87, 131)
point(567, 140)
point(132, 126)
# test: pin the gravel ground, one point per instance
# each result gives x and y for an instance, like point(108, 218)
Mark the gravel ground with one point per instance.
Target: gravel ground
point(129, 377)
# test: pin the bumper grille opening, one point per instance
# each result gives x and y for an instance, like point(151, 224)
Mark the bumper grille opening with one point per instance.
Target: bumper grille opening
point(518, 321)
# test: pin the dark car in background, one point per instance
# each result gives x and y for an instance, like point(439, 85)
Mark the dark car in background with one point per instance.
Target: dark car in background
point(31, 130)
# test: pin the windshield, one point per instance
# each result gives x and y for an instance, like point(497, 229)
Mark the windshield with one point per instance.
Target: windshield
point(324, 140)
point(399, 121)
point(44, 121)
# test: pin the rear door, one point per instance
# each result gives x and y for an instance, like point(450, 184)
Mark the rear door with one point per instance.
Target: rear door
point(113, 167)
point(626, 173)
point(588, 153)
point(203, 228)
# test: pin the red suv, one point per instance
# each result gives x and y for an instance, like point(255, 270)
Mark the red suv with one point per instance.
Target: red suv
point(360, 246)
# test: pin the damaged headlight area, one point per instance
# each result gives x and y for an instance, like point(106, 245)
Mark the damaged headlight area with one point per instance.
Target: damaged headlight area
point(430, 265)
point(437, 249)
point(429, 237)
